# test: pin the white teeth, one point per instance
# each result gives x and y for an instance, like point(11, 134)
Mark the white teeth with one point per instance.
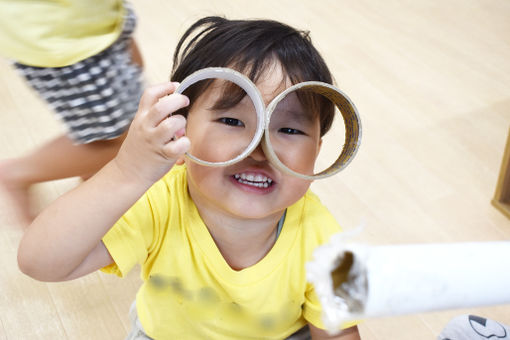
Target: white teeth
point(258, 180)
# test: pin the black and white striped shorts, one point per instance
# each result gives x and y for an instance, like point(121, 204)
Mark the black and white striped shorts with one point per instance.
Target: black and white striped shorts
point(97, 97)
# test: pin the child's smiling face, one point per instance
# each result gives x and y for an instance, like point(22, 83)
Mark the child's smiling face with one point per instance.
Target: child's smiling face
point(253, 187)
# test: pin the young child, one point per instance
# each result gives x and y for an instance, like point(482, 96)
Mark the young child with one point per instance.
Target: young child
point(223, 257)
point(82, 60)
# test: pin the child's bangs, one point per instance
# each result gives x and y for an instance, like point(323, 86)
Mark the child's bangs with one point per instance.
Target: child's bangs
point(232, 94)
point(253, 47)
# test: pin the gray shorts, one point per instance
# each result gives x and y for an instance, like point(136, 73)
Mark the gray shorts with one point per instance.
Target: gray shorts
point(97, 97)
point(137, 332)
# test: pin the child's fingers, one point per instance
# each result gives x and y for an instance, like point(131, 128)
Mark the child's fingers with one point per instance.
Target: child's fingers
point(170, 128)
point(153, 93)
point(175, 149)
point(165, 107)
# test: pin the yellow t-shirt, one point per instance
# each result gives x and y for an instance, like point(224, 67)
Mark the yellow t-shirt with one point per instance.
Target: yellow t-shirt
point(56, 33)
point(190, 292)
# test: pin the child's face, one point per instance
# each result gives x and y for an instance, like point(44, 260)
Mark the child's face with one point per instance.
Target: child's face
point(253, 187)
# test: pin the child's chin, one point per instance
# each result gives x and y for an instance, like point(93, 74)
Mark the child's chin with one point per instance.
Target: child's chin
point(253, 211)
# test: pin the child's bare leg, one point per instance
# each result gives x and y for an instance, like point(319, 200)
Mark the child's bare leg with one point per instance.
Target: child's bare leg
point(15, 192)
point(58, 159)
point(136, 56)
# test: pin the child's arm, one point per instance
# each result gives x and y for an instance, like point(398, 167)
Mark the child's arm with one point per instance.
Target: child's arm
point(350, 333)
point(64, 241)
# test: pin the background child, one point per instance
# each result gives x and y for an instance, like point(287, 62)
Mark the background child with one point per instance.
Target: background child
point(81, 59)
point(213, 262)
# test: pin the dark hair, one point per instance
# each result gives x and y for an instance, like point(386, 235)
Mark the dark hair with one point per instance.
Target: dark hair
point(250, 47)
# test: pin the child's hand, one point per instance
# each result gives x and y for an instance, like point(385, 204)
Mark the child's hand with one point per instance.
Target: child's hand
point(155, 139)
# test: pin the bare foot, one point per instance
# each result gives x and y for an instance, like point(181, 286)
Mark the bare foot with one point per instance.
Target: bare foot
point(15, 192)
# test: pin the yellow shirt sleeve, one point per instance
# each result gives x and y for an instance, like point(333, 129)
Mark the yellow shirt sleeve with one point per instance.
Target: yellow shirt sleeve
point(136, 237)
point(130, 239)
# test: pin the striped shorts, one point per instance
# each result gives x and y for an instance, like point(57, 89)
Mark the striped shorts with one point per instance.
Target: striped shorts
point(97, 97)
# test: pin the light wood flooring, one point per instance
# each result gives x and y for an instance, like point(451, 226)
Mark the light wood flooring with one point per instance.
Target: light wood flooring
point(431, 80)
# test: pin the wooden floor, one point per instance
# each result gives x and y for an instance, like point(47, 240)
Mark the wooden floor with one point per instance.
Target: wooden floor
point(431, 80)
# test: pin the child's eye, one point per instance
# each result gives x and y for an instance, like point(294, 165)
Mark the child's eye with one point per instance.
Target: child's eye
point(291, 131)
point(230, 121)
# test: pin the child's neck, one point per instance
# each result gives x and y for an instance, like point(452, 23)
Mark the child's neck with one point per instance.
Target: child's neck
point(242, 242)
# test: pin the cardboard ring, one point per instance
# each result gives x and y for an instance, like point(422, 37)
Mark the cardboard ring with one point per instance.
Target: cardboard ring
point(351, 120)
point(342, 102)
point(251, 90)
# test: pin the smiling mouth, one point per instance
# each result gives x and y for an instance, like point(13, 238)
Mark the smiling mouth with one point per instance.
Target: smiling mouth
point(258, 181)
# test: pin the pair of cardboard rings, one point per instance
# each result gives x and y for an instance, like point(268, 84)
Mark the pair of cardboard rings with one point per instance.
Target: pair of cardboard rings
point(343, 103)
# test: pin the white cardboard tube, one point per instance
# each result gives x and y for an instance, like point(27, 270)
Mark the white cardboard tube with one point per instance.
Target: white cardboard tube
point(407, 279)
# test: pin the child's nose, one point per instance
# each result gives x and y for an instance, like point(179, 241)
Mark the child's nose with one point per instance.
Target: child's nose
point(258, 154)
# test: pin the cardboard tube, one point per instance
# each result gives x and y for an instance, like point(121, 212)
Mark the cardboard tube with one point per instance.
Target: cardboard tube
point(355, 281)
